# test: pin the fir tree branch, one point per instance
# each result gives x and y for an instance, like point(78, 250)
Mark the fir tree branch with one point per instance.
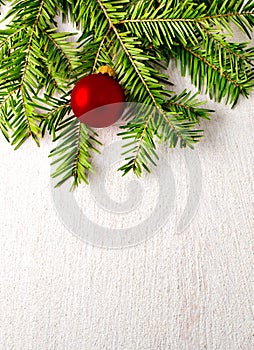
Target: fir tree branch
point(10, 36)
point(214, 67)
point(29, 46)
point(58, 47)
point(210, 52)
point(74, 152)
point(32, 129)
point(22, 119)
point(190, 136)
point(32, 47)
point(227, 15)
point(164, 24)
point(55, 111)
point(223, 43)
point(100, 48)
point(128, 48)
point(205, 70)
point(61, 57)
point(50, 81)
point(134, 37)
point(188, 106)
point(192, 20)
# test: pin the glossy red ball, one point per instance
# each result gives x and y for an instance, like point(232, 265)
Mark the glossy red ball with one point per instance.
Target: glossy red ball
point(92, 92)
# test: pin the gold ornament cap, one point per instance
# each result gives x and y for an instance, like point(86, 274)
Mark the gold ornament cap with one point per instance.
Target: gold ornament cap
point(107, 70)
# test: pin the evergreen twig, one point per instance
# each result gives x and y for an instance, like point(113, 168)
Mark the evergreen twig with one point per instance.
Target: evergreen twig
point(136, 38)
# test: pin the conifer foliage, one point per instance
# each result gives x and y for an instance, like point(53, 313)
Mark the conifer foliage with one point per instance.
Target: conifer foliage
point(39, 66)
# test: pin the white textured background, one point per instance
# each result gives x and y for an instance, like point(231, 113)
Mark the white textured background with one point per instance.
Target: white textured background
point(190, 291)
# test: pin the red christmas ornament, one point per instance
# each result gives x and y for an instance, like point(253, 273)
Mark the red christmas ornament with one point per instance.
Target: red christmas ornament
point(94, 91)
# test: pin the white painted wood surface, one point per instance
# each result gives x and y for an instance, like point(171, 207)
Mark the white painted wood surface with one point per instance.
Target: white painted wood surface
point(190, 291)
